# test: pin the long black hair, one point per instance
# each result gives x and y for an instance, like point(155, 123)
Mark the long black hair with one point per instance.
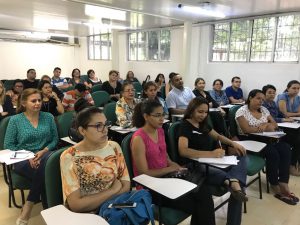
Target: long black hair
point(146, 107)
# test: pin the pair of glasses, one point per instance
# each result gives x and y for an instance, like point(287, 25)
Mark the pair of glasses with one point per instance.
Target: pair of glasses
point(100, 126)
point(158, 115)
point(130, 90)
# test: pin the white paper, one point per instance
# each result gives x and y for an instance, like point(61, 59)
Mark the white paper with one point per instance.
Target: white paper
point(227, 106)
point(253, 146)
point(123, 130)
point(226, 160)
point(8, 157)
point(273, 134)
point(61, 215)
point(67, 139)
point(289, 125)
point(296, 118)
point(170, 187)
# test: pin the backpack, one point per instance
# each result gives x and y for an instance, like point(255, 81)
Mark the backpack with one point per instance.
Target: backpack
point(139, 215)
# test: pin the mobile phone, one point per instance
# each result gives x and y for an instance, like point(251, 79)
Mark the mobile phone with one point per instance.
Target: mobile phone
point(122, 205)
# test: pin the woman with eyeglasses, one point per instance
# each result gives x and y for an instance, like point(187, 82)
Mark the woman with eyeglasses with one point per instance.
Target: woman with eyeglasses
point(125, 106)
point(112, 86)
point(93, 170)
point(34, 131)
point(6, 106)
point(15, 92)
point(149, 153)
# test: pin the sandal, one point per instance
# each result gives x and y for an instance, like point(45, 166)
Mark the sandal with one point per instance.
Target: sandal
point(238, 195)
point(21, 222)
point(286, 199)
point(294, 197)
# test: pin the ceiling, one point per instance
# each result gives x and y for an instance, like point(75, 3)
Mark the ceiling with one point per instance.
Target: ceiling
point(21, 15)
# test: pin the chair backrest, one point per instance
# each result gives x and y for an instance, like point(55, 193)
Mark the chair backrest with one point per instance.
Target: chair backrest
point(64, 122)
point(233, 130)
point(100, 98)
point(8, 84)
point(125, 146)
point(163, 91)
point(110, 112)
point(53, 184)
point(97, 87)
point(3, 126)
point(138, 88)
point(84, 77)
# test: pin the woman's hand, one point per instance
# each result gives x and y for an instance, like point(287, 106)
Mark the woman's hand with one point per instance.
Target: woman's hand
point(4, 113)
point(54, 95)
point(238, 149)
point(116, 186)
point(218, 153)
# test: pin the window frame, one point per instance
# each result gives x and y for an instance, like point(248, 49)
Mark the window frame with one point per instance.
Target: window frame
point(108, 42)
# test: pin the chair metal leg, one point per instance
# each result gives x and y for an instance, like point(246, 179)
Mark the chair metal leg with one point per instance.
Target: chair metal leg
point(159, 211)
point(259, 185)
point(11, 193)
point(245, 207)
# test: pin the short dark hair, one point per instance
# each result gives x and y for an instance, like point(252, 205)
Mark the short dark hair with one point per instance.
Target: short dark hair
point(172, 74)
point(17, 81)
point(218, 80)
point(84, 117)
point(89, 72)
point(57, 68)
point(42, 83)
point(73, 71)
point(232, 80)
point(80, 87)
point(30, 70)
point(266, 87)
point(197, 80)
point(252, 94)
point(146, 107)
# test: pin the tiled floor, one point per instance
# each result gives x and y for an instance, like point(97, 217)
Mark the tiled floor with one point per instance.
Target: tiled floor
point(268, 211)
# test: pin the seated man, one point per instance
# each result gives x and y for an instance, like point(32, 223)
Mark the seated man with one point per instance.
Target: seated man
point(72, 96)
point(59, 82)
point(30, 82)
point(179, 97)
point(234, 92)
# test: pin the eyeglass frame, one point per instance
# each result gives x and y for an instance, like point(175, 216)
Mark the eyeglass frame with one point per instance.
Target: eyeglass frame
point(159, 115)
point(107, 124)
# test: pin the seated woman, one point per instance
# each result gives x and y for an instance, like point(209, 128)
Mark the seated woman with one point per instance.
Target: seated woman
point(35, 131)
point(130, 77)
point(15, 92)
point(6, 106)
point(200, 92)
point(112, 86)
point(50, 102)
point(92, 78)
point(193, 135)
point(160, 82)
point(218, 94)
point(94, 169)
point(150, 93)
point(149, 152)
point(76, 79)
point(289, 105)
point(55, 89)
point(125, 106)
point(252, 118)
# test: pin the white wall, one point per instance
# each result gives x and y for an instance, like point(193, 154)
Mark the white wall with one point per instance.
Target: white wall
point(16, 58)
point(253, 75)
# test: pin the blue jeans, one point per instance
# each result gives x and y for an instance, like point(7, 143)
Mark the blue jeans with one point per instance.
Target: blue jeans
point(37, 177)
point(218, 176)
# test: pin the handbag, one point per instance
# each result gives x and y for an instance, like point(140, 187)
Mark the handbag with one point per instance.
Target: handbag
point(141, 214)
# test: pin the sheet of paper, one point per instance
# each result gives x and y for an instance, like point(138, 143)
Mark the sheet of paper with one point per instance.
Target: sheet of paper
point(170, 187)
point(123, 130)
point(253, 146)
point(289, 125)
point(10, 157)
point(226, 160)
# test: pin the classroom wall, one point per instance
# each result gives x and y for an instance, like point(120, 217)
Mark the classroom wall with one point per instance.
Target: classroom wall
point(253, 75)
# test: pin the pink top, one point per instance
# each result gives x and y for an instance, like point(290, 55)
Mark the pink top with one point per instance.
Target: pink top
point(156, 152)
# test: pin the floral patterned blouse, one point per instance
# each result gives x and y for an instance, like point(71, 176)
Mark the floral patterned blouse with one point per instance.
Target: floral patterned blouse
point(124, 113)
point(92, 171)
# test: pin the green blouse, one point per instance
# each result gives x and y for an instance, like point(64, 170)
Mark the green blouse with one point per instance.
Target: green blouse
point(20, 134)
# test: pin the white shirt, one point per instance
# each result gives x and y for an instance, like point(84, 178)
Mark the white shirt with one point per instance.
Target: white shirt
point(179, 99)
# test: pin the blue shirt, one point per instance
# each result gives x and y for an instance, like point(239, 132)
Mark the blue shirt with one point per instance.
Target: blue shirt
point(20, 134)
point(290, 108)
point(179, 99)
point(219, 97)
point(274, 111)
point(230, 92)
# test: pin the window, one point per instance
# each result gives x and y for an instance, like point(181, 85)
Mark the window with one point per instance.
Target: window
point(262, 39)
point(99, 46)
point(149, 45)
point(287, 43)
point(270, 39)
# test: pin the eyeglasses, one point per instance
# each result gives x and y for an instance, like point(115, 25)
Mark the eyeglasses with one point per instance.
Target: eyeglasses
point(158, 115)
point(100, 126)
point(19, 86)
point(130, 90)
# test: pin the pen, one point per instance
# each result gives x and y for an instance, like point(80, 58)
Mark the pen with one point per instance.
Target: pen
point(220, 144)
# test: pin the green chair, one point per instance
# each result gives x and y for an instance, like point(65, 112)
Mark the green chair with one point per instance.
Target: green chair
point(69, 88)
point(97, 87)
point(8, 84)
point(84, 77)
point(64, 122)
point(255, 162)
point(165, 215)
point(138, 88)
point(173, 137)
point(163, 91)
point(100, 98)
point(53, 183)
point(12, 179)
point(110, 112)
